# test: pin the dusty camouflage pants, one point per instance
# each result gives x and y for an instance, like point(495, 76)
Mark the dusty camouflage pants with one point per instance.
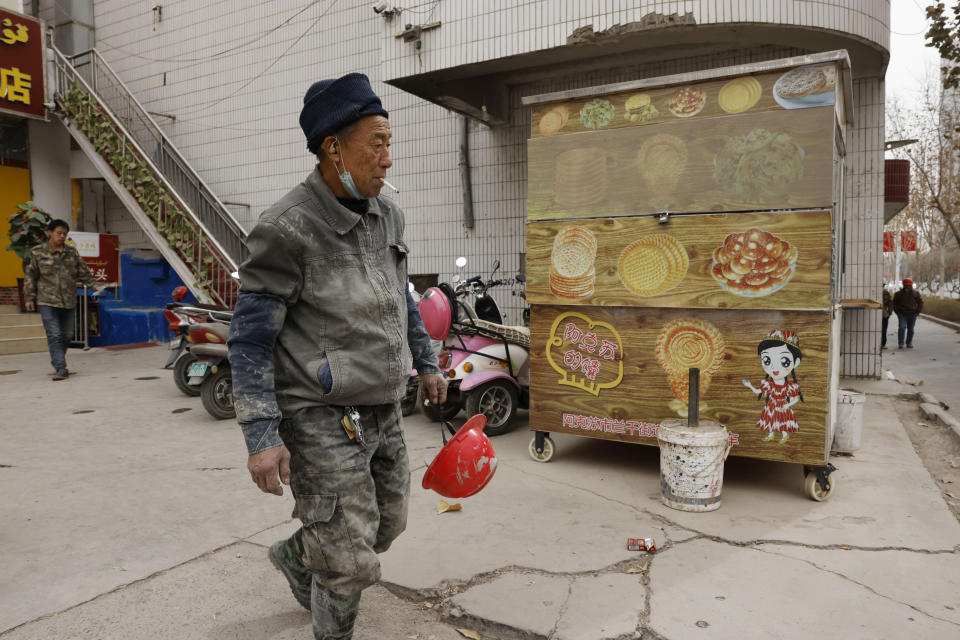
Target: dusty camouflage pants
point(352, 501)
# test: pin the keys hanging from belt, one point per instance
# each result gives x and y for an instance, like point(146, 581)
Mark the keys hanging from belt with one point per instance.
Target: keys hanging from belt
point(352, 425)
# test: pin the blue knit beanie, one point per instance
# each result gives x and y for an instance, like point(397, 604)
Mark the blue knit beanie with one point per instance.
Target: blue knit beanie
point(330, 105)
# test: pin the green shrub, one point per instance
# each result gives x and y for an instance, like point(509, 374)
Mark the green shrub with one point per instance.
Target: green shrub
point(943, 308)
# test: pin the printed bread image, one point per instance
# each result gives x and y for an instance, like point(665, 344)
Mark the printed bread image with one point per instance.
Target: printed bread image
point(581, 177)
point(758, 165)
point(740, 94)
point(754, 263)
point(806, 81)
point(552, 121)
point(662, 158)
point(652, 265)
point(638, 108)
point(687, 102)
point(572, 270)
point(685, 343)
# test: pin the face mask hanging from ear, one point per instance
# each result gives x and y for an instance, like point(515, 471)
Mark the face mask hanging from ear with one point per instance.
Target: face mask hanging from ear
point(345, 178)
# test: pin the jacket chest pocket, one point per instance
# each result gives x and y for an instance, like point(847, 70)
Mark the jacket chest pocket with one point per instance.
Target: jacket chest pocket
point(398, 257)
point(47, 266)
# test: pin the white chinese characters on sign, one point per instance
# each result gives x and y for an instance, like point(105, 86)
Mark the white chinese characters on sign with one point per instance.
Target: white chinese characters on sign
point(627, 427)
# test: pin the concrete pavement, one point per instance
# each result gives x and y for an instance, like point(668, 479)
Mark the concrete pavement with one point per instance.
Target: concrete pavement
point(128, 513)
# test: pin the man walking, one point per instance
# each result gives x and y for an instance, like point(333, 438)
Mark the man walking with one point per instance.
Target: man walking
point(907, 304)
point(320, 348)
point(50, 286)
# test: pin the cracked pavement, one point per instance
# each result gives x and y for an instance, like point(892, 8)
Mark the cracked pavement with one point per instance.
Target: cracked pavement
point(134, 520)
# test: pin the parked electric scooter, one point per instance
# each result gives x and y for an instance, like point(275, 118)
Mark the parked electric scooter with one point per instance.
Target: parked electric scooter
point(180, 316)
point(486, 363)
point(210, 372)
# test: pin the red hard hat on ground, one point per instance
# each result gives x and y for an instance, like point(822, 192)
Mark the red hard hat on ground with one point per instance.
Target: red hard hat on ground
point(907, 282)
point(465, 464)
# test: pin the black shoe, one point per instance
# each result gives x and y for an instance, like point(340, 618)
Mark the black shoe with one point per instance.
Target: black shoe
point(899, 346)
point(909, 346)
point(61, 375)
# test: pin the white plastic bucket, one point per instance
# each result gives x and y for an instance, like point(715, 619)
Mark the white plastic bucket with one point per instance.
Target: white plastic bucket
point(691, 464)
point(849, 427)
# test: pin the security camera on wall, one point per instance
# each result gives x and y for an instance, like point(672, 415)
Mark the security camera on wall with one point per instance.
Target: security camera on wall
point(380, 7)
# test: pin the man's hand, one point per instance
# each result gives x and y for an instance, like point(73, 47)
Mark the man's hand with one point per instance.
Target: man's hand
point(269, 468)
point(30, 305)
point(434, 388)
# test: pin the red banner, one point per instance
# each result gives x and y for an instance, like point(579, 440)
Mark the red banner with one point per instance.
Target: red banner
point(101, 253)
point(908, 241)
point(21, 65)
point(889, 242)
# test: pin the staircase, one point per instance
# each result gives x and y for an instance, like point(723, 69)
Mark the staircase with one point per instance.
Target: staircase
point(175, 208)
point(20, 332)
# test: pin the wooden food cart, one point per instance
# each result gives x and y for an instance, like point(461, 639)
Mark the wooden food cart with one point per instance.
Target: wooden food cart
point(691, 221)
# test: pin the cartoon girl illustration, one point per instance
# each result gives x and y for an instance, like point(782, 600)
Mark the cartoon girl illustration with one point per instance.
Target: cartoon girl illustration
point(779, 355)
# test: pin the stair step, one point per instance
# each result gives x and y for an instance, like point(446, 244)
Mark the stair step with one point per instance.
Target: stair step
point(22, 331)
point(22, 345)
point(20, 319)
point(6, 309)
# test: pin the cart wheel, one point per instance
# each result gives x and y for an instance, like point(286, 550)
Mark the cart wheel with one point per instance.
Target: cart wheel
point(811, 486)
point(548, 449)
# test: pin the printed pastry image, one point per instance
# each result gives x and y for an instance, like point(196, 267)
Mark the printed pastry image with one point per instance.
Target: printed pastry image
point(597, 113)
point(808, 86)
point(740, 94)
point(754, 263)
point(572, 271)
point(685, 343)
point(553, 120)
point(638, 108)
point(758, 165)
point(580, 177)
point(687, 101)
point(652, 265)
point(662, 159)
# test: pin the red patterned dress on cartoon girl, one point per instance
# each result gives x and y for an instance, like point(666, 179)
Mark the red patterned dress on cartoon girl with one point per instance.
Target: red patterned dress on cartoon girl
point(777, 416)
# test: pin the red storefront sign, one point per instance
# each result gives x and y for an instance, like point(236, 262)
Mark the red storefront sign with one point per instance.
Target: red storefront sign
point(101, 253)
point(22, 86)
point(889, 242)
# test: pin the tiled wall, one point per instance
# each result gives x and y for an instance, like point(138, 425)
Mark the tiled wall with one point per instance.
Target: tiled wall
point(236, 113)
point(478, 31)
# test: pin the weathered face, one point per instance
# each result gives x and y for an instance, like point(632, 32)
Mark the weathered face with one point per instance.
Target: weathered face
point(366, 154)
point(57, 237)
point(778, 362)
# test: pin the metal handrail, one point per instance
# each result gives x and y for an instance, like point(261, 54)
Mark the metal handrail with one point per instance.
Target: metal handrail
point(65, 76)
point(209, 208)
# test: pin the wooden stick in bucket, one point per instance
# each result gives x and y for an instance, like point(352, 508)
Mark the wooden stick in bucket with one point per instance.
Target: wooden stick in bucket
point(693, 401)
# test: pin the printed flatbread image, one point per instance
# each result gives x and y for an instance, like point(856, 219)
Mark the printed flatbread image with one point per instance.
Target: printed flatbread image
point(580, 177)
point(662, 158)
point(572, 271)
point(597, 113)
point(758, 165)
point(687, 102)
point(652, 265)
point(553, 120)
point(639, 108)
point(740, 94)
point(754, 263)
point(808, 86)
point(685, 343)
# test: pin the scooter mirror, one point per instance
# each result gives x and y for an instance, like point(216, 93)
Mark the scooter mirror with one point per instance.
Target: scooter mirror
point(521, 277)
point(496, 265)
point(461, 262)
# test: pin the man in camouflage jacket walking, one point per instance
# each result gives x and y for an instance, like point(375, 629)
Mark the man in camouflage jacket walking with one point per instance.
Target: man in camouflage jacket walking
point(50, 286)
point(320, 348)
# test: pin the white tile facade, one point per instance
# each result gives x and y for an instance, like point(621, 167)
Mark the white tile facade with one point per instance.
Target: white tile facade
point(233, 72)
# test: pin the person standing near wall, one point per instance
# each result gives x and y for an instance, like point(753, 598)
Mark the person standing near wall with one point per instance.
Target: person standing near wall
point(907, 304)
point(50, 286)
point(320, 348)
point(885, 321)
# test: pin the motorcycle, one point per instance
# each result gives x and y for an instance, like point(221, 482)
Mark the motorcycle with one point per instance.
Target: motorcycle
point(487, 364)
point(180, 316)
point(210, 371)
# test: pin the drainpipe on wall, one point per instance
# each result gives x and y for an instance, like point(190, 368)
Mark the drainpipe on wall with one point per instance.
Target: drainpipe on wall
point(463, 142)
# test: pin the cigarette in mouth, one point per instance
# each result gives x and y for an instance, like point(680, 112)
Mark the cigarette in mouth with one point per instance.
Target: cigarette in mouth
point(389, 185)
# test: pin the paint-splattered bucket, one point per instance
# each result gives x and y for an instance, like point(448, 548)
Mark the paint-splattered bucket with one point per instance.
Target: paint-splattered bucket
point(691, 464)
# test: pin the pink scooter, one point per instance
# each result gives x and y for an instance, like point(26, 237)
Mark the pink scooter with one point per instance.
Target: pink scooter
point(487, 365)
